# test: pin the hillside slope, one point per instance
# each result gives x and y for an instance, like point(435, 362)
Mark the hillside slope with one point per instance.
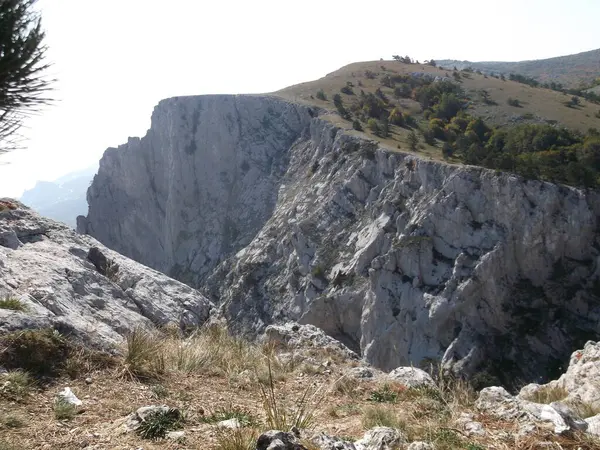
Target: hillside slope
point(537, 105)
point(570, 70)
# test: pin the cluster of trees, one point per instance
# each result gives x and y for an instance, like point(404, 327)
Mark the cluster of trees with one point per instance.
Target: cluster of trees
point(535, 151)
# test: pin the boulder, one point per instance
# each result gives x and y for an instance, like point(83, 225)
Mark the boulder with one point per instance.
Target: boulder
point(381, 438)
point(278, 440)
point(411, 377)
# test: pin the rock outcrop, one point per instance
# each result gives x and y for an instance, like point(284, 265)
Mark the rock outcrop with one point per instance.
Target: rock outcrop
point(277, 215)
point(74, 284)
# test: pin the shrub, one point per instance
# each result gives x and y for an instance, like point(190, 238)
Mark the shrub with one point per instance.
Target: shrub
point(413, 140)
point(39, 352)
point(396, 117)
point(447, 150)
point(16, 385)
point(356, 125)
point(373, 126)
point(370, 75)
point(347, 90)
point(429, 137)
point(64, 410)
point(321, 95)
point(13, 304)
point(403, 91)
point(514, 102)
point(157, 424)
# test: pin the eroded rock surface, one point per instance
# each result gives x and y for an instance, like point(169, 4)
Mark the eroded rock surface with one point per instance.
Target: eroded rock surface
point(278, 216)
point(74, 284)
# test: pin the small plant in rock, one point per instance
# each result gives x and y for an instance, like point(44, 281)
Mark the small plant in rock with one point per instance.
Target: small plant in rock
point(13, 304)
point(64, 410)
point(157, 424)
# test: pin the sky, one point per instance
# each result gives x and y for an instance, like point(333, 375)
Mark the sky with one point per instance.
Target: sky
point(115, 59)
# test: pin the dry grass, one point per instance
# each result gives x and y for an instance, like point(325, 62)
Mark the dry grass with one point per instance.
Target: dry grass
point(213, 376)
point(13, 304)
point(547, 395)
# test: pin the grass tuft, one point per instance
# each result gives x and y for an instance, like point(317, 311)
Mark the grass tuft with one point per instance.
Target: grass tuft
point(159, 423)
point(547, 395)
point(13, 304)
point(15, 385)
point(237, 439)
point(64, 410)
point(245, 418)
point(12, 421)
point(381, 416)
point(279, 416)
point(144, 359)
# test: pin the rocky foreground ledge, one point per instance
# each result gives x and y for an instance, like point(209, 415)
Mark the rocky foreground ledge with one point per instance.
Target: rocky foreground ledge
point(295, 388)
point(76, 285)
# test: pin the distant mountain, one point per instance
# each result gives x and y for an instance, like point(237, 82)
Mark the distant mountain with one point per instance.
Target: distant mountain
point(63, 199)
point(571, 70)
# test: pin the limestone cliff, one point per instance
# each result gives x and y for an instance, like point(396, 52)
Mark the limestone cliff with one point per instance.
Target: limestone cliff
point(276, 214)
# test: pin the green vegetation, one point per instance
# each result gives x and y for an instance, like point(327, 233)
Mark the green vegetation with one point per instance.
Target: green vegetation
point(22, 67)
point(514, 102)
point(245, 418)
point(381, 416)
point(13, 304)
point(384, 395)
point(39, 352)
point(16, 385)
point(64, 410)
point(157, 424)
point(321, 95)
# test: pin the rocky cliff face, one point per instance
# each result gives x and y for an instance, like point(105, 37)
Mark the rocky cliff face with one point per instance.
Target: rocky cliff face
point(72, 283)
point(277, 215)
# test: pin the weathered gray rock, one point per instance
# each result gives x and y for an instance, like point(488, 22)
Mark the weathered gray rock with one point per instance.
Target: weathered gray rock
point(381, 438)
point(593, 425)
point(581, 381)
point(51, 273)
point(230, 423)
point(296, 336)
point(68, 396)
point(419, 445)
point(496, 401)
point(411, 377)
point(278, 440)
point(326, 442)
point(141, 414)
point(403, 260)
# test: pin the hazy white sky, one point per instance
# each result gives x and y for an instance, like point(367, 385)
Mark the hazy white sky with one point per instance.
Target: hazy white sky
point(115, 59)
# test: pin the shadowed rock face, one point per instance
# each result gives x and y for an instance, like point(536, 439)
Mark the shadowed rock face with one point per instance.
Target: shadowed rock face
point(198, 186)
point(276, 215)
